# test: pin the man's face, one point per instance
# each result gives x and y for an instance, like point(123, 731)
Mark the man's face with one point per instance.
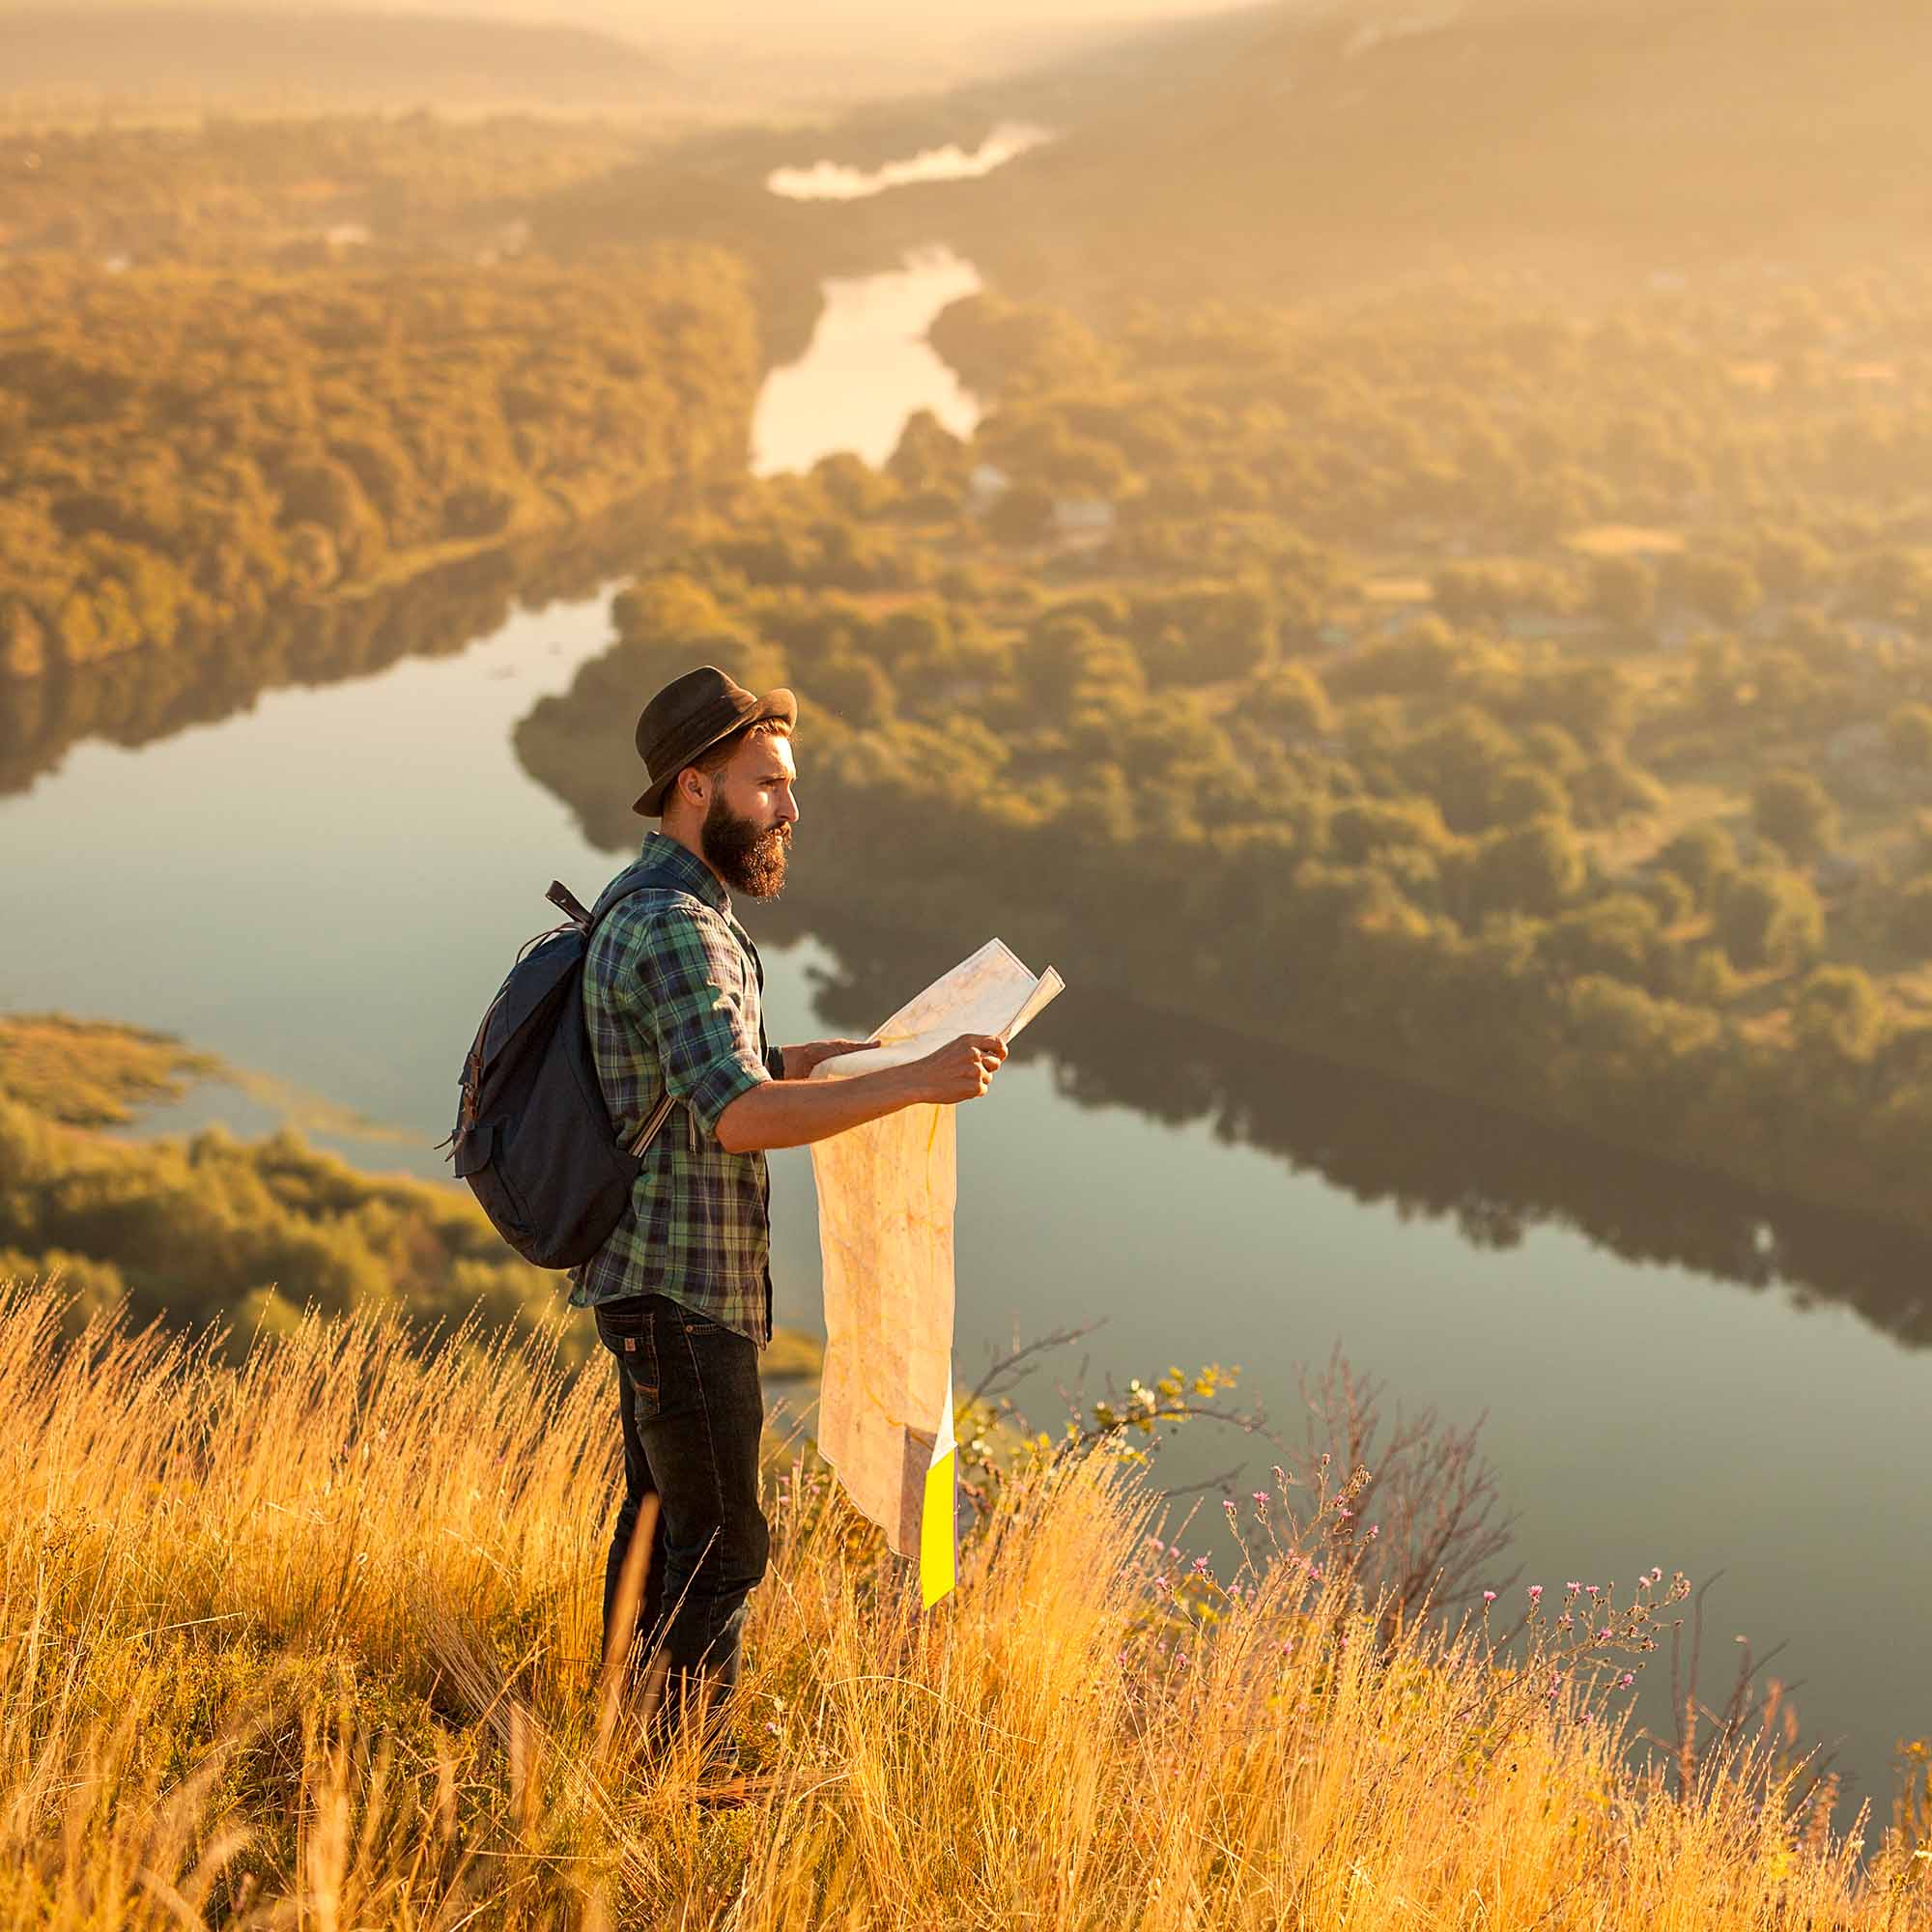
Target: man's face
point(747, 830)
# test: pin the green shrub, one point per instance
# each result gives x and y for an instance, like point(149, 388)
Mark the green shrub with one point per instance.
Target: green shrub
point(1767, 916)
point(1796, 812)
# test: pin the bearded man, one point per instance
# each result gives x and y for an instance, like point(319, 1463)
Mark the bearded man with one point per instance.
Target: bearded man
point(681, 1291)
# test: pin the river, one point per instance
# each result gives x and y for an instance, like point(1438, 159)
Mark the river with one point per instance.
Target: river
point(868, 354)
point(328, 886)
point(838, 180)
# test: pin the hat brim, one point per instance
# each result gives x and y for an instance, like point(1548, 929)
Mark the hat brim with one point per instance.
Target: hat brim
point(778, 703)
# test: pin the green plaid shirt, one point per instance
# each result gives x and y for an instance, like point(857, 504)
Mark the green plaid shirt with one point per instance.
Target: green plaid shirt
point(672, 999)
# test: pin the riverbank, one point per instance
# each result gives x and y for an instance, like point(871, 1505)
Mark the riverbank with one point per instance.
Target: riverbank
point(1212, 1043)
point(1315, 975)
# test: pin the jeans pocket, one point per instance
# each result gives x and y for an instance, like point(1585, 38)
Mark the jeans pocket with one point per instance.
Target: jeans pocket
point(627, 1329)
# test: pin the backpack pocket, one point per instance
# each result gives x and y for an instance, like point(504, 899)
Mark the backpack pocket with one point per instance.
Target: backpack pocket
point(475, 1162)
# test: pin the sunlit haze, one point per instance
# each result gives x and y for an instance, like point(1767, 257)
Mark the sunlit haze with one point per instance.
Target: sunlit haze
point(1388, 542)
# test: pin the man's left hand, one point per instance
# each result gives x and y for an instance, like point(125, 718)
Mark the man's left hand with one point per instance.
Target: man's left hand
point(801, 1061)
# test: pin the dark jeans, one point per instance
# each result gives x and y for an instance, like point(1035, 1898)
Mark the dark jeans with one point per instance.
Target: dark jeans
point(691, 1413)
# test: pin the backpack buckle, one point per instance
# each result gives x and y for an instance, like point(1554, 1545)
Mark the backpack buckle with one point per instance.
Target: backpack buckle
point(570, 905)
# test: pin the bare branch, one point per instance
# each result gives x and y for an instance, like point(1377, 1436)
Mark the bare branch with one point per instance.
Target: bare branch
point(1434, 1496)
point(1005, 1372)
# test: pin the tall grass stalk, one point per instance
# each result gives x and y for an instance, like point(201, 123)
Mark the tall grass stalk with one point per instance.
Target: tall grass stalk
point(314, 1642)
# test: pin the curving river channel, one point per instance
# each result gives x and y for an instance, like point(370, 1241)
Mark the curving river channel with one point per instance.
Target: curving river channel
point(328, 886)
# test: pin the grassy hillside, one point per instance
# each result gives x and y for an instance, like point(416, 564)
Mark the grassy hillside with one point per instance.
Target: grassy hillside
point(330, 1658)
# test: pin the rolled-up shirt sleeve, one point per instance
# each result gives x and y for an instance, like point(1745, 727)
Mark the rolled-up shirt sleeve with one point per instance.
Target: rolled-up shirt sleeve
point(692, 994)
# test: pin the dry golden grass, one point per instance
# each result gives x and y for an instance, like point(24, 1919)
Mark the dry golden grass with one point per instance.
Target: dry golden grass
point(311, 1643)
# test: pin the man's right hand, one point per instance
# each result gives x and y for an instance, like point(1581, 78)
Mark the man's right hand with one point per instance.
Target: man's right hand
point(960, 1070)
point(795, 1112)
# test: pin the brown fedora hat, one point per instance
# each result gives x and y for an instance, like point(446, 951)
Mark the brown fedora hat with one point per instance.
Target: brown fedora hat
point(688, 717)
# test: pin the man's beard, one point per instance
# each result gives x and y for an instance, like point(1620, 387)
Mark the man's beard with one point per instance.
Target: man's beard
point(749, 861)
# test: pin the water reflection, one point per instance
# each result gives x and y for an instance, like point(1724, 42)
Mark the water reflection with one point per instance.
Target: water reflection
point(836, 181)
point(1496, 1175)
point(149, 695)
point(869, 366)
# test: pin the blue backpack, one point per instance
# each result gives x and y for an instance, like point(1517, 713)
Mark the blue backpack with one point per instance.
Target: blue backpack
point(534, 1136)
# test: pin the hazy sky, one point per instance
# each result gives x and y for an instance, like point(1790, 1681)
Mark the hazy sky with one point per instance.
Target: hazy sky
point(749, 58)
point(648, 20)
point(828, 50)
point(678, 18)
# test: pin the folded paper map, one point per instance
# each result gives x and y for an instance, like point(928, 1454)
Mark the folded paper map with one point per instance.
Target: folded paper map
point(886, 1195)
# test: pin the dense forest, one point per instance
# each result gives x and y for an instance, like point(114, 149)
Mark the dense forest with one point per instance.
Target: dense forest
point(249, 368)
point(182, 448)
point(245, 1232)
point(379, 189)
point(1532, 701)
point(372, 192)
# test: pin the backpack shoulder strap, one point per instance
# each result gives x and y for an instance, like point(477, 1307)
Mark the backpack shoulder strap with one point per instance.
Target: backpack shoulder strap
point(587, 921)
point(648, 1132)
point(570, 905)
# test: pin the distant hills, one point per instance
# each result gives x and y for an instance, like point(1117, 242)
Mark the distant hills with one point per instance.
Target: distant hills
point(1297, 144)
point(203, 53)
